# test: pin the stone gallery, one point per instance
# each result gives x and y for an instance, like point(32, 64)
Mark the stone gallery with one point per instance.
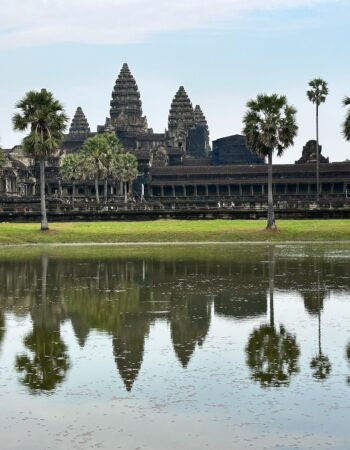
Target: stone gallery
point(177, 168)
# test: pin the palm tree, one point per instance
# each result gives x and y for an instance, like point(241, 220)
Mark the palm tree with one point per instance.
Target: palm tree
point(124, 169)
point(71, 170)
point(114, 149)
point(269, 126)
point(44, 117)
point(94, 152)
point(2, 161)
point(317, 95)
point(346, 125)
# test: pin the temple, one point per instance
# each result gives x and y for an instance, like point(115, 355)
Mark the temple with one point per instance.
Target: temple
point(178, 168)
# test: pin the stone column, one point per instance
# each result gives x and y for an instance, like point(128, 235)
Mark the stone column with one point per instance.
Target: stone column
point(162, 191)
point(195, 190)
point(206, 190)
point(184, 190)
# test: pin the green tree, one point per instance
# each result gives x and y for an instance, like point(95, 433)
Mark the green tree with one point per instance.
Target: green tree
point(94, 154)
point(346, 125)
point(2, 161)
point(44, 117)
point(270, 126)
point(317, 95)
point(115, 148)
point(71, 170)
point(125, 169)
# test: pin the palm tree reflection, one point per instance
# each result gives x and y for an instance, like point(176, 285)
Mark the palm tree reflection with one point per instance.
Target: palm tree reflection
point(320, 363)
point(46, 363)
point(272, 353)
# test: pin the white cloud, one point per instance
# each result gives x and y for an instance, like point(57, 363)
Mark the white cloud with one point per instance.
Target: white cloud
point(37, 22)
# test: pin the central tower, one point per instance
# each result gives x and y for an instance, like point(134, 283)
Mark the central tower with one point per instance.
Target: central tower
point(126, 106)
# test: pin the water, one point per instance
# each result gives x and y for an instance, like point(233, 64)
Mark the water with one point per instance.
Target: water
point(223, 347)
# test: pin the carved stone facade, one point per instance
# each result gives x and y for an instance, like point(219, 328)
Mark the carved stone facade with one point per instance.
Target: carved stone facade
point(79, 127)
point(309, 154)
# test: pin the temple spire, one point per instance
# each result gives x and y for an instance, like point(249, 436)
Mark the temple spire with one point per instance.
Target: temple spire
point(181, 118)
point(79, 125)
point(126, 106)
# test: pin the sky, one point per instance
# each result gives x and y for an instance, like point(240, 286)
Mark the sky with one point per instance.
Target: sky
point(224, 52)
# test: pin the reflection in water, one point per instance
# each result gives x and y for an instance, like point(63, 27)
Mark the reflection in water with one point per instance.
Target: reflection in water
point(320, 363)
point(272, 354)
point(47, 362)
point(190, 321)
point(2, 327)
point(125, 296)
point(348, 357)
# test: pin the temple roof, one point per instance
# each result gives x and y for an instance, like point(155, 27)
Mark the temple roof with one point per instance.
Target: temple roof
point(79, 125)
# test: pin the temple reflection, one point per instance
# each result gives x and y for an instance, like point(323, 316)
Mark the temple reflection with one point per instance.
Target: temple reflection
point(124, 296)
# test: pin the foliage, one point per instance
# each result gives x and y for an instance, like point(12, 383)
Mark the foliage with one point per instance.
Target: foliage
point(95, 151)
point(346, 125)
point(2, 159)
point(46, 121)
point(318, 92)
point(269, 124)
point(71, 167)
point(125, 167)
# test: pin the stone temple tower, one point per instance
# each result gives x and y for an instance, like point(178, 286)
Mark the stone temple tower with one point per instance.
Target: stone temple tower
point(126, 106)
point(181, 118)
point(187, 127)
point(79, 127)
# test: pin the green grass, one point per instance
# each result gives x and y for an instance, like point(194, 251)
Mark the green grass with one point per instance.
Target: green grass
point(175, 231)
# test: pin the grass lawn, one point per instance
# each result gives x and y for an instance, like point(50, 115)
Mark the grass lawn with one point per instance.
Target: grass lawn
point(175, 231)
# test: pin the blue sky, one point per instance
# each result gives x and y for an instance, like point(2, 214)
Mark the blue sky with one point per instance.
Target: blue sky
point(223, 52)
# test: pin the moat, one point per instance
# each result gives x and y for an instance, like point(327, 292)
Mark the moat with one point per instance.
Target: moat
point(152, 348)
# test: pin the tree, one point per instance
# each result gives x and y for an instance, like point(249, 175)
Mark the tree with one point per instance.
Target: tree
point(44, 117)
point(346, 125)
point(94, 153)
point(317, 95)
point(114, 149)
point(2, 160)
point(125, 169)
point(71, 170)
point(270, 126)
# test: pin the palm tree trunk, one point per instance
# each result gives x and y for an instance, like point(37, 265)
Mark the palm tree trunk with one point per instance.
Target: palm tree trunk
point(73, 194)
point(96, 190)
point(317, 160)
point(271, 224)
point(44, 224)
point(126, 193)
point(106, 190)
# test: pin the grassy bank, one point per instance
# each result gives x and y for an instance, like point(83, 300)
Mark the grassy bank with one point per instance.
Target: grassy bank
point(175, 231)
